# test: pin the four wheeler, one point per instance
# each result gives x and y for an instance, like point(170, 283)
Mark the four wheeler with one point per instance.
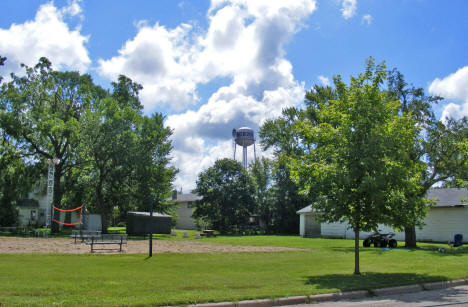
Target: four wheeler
point(380, 240)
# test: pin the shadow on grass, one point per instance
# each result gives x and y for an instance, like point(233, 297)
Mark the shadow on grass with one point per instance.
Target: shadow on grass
point(445, 251)
point(442, 250)
point(365, 250)
point(369, 280)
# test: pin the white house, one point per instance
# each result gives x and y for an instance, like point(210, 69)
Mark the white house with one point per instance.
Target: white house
point(32, 212)
point(448, 217)
point(185, 208)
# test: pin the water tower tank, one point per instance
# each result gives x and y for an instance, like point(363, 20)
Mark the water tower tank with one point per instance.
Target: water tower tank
point(244, 137)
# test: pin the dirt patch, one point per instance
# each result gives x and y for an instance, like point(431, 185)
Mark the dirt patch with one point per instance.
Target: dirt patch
point(14, 245)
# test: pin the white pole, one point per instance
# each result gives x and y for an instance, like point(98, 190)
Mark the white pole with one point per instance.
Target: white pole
point(50, 192)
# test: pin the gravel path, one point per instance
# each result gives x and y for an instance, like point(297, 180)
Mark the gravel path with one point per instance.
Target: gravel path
point(14, 245)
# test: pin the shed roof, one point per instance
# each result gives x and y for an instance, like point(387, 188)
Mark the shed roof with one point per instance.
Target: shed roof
point(449, 197)
point(155, 214)
point(28, 203)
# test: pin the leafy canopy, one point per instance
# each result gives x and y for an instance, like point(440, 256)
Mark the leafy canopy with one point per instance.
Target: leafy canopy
point(227, 196)
point(355, 152)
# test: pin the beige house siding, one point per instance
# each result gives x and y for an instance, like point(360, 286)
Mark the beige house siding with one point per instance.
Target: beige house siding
point(185, 219)
point(443, 223)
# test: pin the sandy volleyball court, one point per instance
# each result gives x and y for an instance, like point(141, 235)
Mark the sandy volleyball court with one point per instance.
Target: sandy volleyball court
point(14, 245)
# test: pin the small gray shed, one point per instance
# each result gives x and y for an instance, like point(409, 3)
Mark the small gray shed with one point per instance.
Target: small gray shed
point(138, 223)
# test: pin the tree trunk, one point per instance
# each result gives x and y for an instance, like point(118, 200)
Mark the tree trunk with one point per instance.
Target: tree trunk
point(102, 208)
point(356, 252)
point(410, 236)
point(57, 197)
point(104, 220)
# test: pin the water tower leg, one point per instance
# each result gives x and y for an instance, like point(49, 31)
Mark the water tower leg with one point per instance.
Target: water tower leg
point(234, 150)
point(255, 153)
point(244, 158)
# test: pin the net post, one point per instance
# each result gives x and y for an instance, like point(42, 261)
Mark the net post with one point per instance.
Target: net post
point(82, 219)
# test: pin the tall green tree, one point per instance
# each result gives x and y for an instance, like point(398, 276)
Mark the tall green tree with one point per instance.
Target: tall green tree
point(227, 196)
point(108, 144)
point(153, 173)
point(126, 154)
point(441, 147)
point(41, 111)
point(279, 134)
point(16, 180)
point(355, 162)
point(261, 175)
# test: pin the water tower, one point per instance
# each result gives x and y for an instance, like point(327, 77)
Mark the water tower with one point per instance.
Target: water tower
point(243, 137)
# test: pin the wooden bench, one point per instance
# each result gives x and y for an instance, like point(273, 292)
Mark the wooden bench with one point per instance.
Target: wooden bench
point(107, 239)
point(8, 229)
point(85, 234)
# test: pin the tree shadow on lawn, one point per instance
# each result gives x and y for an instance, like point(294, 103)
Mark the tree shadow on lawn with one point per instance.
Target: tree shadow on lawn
point(369, 280)
point(446, 250)
point(375, 250)
point(443, 250)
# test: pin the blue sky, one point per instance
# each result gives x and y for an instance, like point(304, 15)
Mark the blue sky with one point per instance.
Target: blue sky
point(211, 66)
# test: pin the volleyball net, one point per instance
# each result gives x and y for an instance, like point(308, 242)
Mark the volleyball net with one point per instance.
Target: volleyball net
point(67, 216)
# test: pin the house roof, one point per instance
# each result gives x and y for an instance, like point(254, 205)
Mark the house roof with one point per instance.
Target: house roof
point(27, 203)
point(447, 197)
point(187, 197)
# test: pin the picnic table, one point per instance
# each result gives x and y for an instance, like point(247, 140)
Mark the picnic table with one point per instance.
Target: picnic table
point(208, 233)
point(85, 234)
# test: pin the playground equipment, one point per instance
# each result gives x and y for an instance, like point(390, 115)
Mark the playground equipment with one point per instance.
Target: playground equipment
point(80, 222)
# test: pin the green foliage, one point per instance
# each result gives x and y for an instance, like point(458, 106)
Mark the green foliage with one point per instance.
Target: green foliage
point(260, 174)
point(227, 192)
point(41, 113)
point(280, 135)
point(441, 147)
point(127, 154)
point(2, 62)
point(358, 147)
point(13, 182)
point(286, 200)
point(110, 155)
point(153, 174)
point(355, 161)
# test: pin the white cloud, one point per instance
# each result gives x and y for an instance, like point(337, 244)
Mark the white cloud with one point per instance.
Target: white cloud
point(47, 35)
point(348, 8)
point(453, 86)
point(243, 44)
point(161, 60)
point(367, 19)
point(324, 80)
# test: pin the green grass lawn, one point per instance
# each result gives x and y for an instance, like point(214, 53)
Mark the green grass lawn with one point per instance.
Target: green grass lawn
point(170, 279)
